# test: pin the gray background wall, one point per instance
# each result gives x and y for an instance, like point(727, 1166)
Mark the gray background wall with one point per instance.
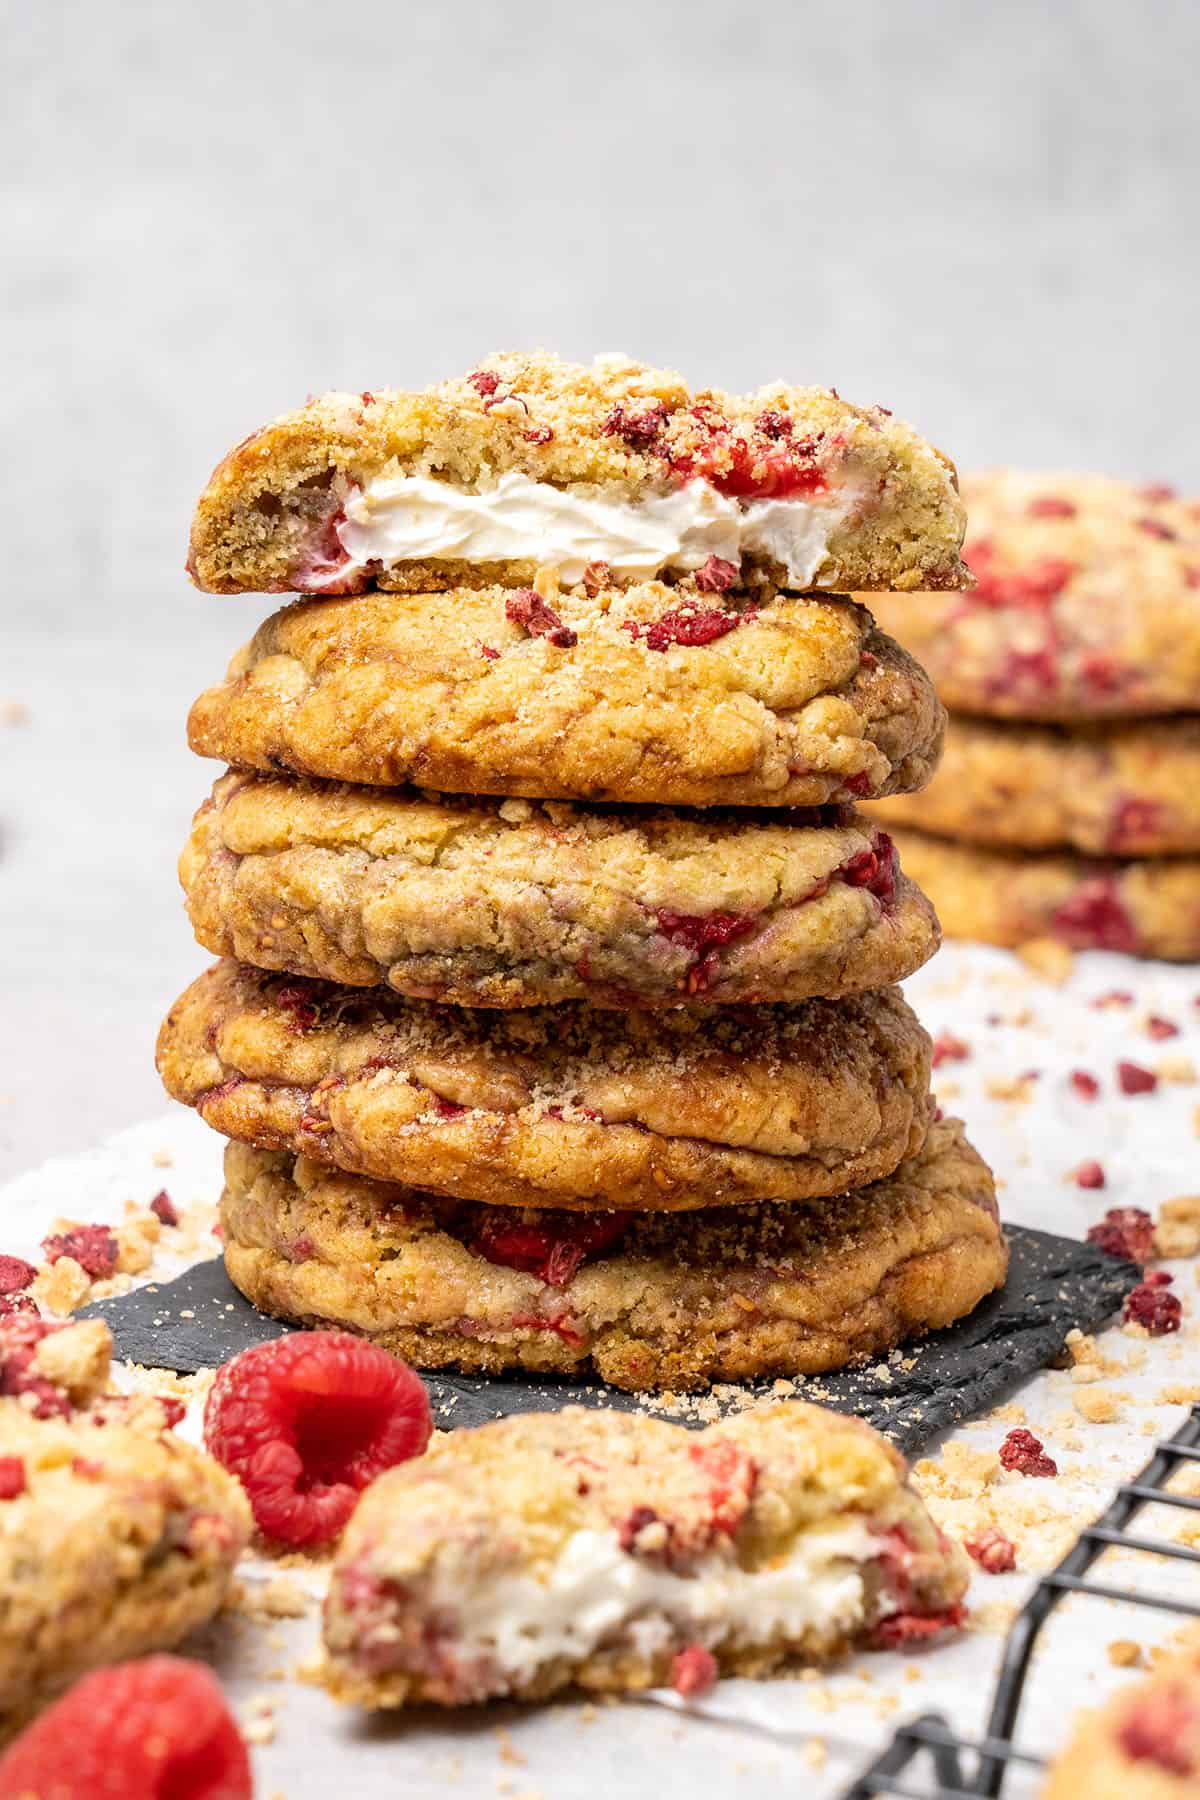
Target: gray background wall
point(981, 216)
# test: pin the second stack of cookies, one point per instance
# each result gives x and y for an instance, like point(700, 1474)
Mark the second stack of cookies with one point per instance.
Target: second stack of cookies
point(557, 1023)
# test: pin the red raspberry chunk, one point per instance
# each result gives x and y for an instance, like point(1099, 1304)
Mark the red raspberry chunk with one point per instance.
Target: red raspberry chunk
point(551, 1245)
point(20, 1334)
point(948, 1048)
point(876, 869)
point(526, 607)
point(1085, 1085)
point(694, 1671)
point(1051, 506)
point(307, 1422)
point(1159, 1028)
point(94, 1248)
point(1164, 1730)
point(144, 1730)
point(1094, 918)
point(716, 575)
point(298, 1004)
point(1089, 1175)
point(163, 1208)
point(991, 1550)
point(903, 1628)
point(1026, 1454)
point(686, 625)
point(638, 424)
point(1125, 1231)
point(1154, 1308)
point(1133, 1079)
point(1037, 585)
point(12, 1477)
point(15, 1274)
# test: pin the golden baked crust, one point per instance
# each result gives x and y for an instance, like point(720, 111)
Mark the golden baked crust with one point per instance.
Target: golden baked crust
point(1087, 604)
point(1116, 788)
point(800, 704)
point(1144, 907)
point(123, 1540)
point(514, 903)
point(615, 430)
point(565, 1106)
point(590, 1548)
point(648, 1301)
point(1143, 1745)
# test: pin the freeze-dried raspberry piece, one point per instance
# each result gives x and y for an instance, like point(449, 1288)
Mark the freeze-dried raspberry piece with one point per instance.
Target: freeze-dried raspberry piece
point(948, 1048)
point(638, 426)
point(1089, 1175)
point(1133, 1079)
point(694, 1671)
point(1085, 1085)
point(526, 607)
point(1154, 1308)
point(20, 1335)
point(685, 626)
point(1026, 1454)
point(158, 1729)
point(553, 1245)
point(12, 1477)
point(1050, 506)
point(1125, 1231)
point(716, 576)
point(164, 1209)
point(16, 1303)
point(1094, 918)
point(1159, 1028)
point(15, 1274)
point(903, 1628)
point(484, 381)
point(876, 869)
point(324, 566)
point(1162, 1731)
point(93, 1247)
point(308, 1421)
point(298, 1006)
point(992, 1550)
point(1036, 585)
point(733, 1477)
point(752, 464)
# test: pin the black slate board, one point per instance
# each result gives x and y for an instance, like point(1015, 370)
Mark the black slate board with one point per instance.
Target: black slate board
point(1054, 1283)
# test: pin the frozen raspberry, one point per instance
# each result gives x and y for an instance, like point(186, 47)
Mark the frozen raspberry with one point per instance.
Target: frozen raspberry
point(1124, 1231)
point(15, 1274)
point(163, 1208)
point(1152, 1307)
point(1050, 506)
point(552, 1245)
point(903, 1628)
point(526, 607)
point(1133, 1079)
point(1094, 918)
point(991, 1550)
point(715, 576)
point(93, 1247)
point(637, 425)
point(12, 1477)
point(1026, 1454)
point(142, 1730)
point(948, 1048)
point(1085, 1085)
point(694, 1671)
point(684, 626)
point(298, 1005)
point(307, 1421)
point(1160, 1028)
point(1163, 1730)
point(1089, 1175)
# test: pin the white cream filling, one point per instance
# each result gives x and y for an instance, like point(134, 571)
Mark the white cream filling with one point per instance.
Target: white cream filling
point(596, 1593)
point(413, 518)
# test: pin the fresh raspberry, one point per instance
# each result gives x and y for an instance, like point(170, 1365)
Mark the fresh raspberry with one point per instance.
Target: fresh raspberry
point(1094, 918)
point(1159, 1028)
point(15, 1274)
point(694, 1671)
point(991, 1550)
point(307, 1421)
point(12, 1477)
point(1133, 1079)
point(1026, 1454)
point(552, 1245)
point(902, 1628)
point(526, 607)
point(20, 1335)
point(1154, 1308)
point(948, 1048)
point(1050, 506)
point(684, 626)
point(1089, 1175)
point(716, 575)
point(163, 1208)
point(141, 1730)
point(298, 1006)
point(94, 1248)
point(1125, 1231)
point(1162, 1730)
point(1085, 1085)
point(637, 426)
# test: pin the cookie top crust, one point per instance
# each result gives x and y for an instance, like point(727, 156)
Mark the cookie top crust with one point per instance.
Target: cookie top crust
point(530, 461)
point(1143, 1745)
point(570, 1105)
point(686, 1533)
point(517, 903)
point(1086, 602)
point(803, 703)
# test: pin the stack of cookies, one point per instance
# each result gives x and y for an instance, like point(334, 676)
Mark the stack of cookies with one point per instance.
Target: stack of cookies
point(1068, 803)
point(556, 1025)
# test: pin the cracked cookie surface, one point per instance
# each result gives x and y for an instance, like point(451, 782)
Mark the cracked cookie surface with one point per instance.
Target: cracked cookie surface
point(797, 702)
point(567, 1106)
point(515, 903)
point(646, 1301)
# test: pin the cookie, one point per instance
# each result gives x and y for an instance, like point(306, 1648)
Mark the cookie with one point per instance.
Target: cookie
point(118, 1539)
point(1144, 907)
point(792, 703)
point(1143, 1745)
point(1086, 604)
point(616, 1551)
point(1116, 788)
point(479, 903)
point(563, 1106)
point(528, 461)
point(644, 1300)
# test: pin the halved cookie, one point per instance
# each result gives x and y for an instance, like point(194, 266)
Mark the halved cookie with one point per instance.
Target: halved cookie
point(528, 461)
point(647, 1301)
point(518, 903)
point(565, 1106)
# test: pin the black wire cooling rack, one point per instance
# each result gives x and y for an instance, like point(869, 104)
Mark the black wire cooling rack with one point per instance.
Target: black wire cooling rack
point(926, 1760)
